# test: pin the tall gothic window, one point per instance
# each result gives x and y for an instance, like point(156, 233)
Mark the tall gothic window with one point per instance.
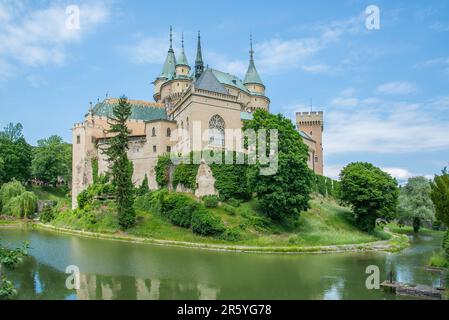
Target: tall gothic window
point(217, 131)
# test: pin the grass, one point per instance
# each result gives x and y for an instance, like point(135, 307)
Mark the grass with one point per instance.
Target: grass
point(438, 260)
point(394, 227)
point(48, 193)
point(324, 224)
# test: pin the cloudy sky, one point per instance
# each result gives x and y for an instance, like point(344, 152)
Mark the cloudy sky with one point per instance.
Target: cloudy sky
point(385, 92)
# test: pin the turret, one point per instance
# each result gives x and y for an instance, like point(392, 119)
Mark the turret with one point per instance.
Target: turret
point(312, 124)
point(168, 70)
point(199, 64)
point(252, 81)
point(182, 66)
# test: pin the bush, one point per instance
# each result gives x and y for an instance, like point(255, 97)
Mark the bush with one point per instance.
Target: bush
point(178, 208)
point(231, 234)
point(162, 170)
point(438, 260)
point(204, 223)
point(210, 201)
point(22, 206)
point(47, 215)
point(446, 245)
point(185, 174)
point(233, 202)
point(83, 199)
point(7, 290)
point(229, 209)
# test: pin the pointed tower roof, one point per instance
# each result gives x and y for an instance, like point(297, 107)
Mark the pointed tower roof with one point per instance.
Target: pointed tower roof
point(199, 64)
point(208, 81)
point(169, 68)
point(252, 76)
point(182, 59)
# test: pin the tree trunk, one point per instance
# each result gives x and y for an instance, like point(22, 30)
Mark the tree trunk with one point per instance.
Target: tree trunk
point(416, 224)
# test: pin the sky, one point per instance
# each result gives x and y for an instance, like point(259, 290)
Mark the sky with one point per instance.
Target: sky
point(384, 91)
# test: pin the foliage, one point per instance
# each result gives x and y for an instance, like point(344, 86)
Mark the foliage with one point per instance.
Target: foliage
point(321, 185)
point(232, 234)
point(47, 215)
point(329, 187)
point(144, 187)
point(121, 167)
point(414, 202)
point(438, 260)
point(10, 190)
point(370, 192)
point(162, 170)
point(94, 164)
point(233, 202)
point(16, 154)
point(185, 174)
point(445, 245)
point(231, 178)
point(231, 210)
point(51, 159)
point(210, 201)
point(2, 171)
point(205, 223)
point(10, 258)
point(440, 197)
point(21, 206)
point(286, 193)
point(7, 289)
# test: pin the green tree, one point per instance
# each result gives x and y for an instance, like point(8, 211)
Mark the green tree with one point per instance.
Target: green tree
point(415, 203)
point(371, 192)
point(121, 167)
point(2, 171)
point(440, 196)
point(52, 159)
point(16, 154)
point(286, 193)
point(144, 188)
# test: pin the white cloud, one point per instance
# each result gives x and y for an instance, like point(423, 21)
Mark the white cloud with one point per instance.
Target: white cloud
point(149, 50)
point(396, 88)
point(400, 174)
point(39, 37)
point(333, 171)
point(387, 127)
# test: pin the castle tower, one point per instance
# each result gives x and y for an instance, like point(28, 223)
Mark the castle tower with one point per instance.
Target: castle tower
point(199, 64)
point(312, 124)
point(168, 70)
point(252, 81)
point(182, 65)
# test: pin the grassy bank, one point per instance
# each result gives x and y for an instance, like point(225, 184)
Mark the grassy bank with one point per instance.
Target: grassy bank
point(325, 224)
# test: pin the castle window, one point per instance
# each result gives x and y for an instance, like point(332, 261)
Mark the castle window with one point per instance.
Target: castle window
point(168, 132)
point(78, 139)
point(153, 132)
point(311, 133)
point(217, 131)
point(154, 149)
point(316, 158)
point(168, 149)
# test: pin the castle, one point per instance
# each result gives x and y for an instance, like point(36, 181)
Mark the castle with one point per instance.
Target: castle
point(201, 102)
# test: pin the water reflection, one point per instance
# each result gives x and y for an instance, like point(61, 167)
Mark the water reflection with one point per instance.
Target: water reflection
point(116, 270)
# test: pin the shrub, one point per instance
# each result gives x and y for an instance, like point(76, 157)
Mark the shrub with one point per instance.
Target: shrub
point(231, 234)
point(47, 215)
point(446, 245)
point(185, 174)
point(7, 290)
point(229, 209)
point(210, 201)
point(22, 206)
point(438, 260)
point(10, 190)
point(83, 198)
point(162, 170)
point(233, 202)
point(204, 223)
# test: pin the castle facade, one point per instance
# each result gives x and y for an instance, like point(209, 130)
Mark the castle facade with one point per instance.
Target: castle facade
point(188, 102)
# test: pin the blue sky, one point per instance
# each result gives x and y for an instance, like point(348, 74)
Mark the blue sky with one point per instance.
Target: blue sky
point(384, 92)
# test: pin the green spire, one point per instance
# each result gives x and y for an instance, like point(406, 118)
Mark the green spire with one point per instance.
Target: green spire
point(199, 64)
point(169, 68)
point(252, 76)
point(182, 59)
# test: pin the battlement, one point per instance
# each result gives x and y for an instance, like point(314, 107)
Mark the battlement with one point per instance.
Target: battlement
point(310, 118)
point(310, 114)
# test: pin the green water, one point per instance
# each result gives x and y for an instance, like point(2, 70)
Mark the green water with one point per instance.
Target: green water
point(119, 270)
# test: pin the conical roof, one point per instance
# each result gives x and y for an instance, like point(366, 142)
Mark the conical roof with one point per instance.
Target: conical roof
point(169, 67)
point(182, 59)
point(252, 76)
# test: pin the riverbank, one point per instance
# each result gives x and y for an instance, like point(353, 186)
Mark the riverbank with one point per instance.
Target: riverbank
point(396, 243)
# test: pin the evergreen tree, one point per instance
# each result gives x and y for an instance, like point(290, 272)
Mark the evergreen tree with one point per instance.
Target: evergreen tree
point(121, 168)
point(440, 197)
point(144, 189)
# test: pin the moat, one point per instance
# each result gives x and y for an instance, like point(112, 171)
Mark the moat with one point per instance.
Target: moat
point(119, 270)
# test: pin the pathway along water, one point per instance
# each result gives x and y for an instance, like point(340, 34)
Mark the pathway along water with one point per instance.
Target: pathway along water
point(119, 270)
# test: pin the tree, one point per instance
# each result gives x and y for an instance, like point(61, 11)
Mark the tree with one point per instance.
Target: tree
point(2, 171)
point(370, 192)
point(121, 168)
point(415, 203)
point(440, 196)
point(16, 154)
point(144, 188)
point(286, 193)
point(9, 259)
point(52, 159)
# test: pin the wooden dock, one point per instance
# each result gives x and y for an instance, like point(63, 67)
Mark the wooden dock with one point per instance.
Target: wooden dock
point(412, 290)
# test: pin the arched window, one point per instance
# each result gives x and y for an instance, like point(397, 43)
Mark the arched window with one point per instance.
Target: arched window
point(168, 132)
point(153, 132)
point(217, 131)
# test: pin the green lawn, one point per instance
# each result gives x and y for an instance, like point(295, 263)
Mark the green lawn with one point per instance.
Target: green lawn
point(48, 193)
point(325, 223)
